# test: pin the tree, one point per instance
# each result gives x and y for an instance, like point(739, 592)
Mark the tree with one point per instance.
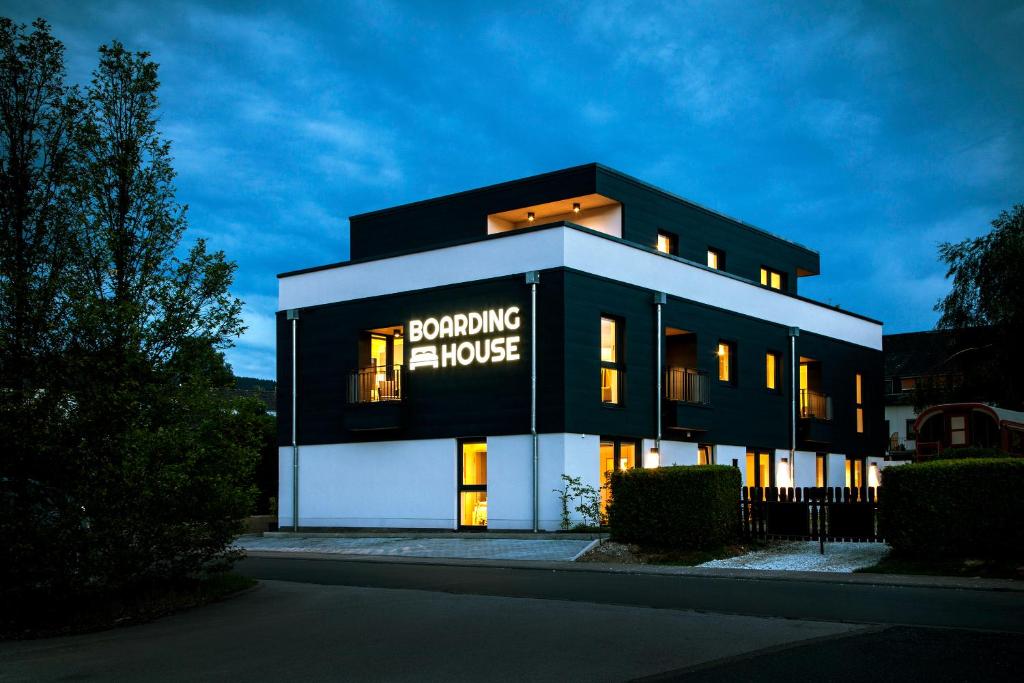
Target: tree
point(152, 456)
point(988, 291)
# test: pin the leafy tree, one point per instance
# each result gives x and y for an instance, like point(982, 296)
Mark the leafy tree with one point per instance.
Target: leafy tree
point(152, 458)
point(988, 291)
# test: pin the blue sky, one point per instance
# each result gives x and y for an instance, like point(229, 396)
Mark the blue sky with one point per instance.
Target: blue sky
point(867, 132)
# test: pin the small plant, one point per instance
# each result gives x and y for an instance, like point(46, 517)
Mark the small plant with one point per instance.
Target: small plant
point(588, 503)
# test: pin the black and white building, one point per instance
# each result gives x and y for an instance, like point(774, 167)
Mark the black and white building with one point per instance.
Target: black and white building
point(478, 346)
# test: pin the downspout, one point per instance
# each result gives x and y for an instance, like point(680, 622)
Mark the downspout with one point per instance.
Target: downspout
point(794, 332)
point(293, 315)
point(659, 301)
point(532, 278)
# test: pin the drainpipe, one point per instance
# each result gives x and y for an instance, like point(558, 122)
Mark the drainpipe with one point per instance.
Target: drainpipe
point(532, 278)
point(293, 315)
point(659, 301)
point(794, 332)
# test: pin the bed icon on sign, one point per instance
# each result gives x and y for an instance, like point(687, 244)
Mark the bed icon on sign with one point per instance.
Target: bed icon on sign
point(422, 356)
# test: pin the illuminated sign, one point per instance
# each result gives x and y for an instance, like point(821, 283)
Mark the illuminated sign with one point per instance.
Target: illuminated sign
point(478, 338)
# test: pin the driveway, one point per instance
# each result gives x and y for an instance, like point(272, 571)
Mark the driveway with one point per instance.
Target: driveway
point(464, 548)
point(806, 556)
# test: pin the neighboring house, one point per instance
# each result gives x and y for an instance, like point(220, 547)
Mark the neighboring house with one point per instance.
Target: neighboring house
point(960, 425)
point(922, 368)
point(478, 346)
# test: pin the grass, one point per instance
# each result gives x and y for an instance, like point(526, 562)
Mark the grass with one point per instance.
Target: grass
point(962, 567)
point(41, 616)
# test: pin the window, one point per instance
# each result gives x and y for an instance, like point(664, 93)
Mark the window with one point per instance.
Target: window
point(908, 383)
point(821, 470)
point(772, 370)
point(666, 242)
point(726, 362)
point(759, 468)
point(473, 484)
point(773, 278)
point(611, 380)
point(854, 472)
point(379, 375)
point(860, 404)
point(957, 430)
point(705, 456)
point(911, 434)
point(716, 259)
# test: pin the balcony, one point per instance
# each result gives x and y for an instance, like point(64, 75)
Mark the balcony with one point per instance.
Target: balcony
point(687, 385)
point(687, 399)
point(815, 413)
point(815, 405)
point(375, 398)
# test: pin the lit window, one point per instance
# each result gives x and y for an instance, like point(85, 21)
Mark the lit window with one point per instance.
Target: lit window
point(666, 242)
point(860, 405)
point(716, 259)
point(704, 454)
point(611, 376)
point(772, 278)
point(759, 468)
point(726, 355)
point(771, 370)
point(473, 485)
point(821, 470)
point(854, 472)
point(908, 383)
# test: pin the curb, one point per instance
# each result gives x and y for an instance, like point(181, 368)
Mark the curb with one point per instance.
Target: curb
point(886, 580)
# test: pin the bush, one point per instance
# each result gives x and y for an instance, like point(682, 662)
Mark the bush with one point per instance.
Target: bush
point(686, 508)
point(970, 452)
point(954, 508)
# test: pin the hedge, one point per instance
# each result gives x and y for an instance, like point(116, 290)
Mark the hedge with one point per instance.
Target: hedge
point(686, 508)
point(965, 452)
point(954, 508)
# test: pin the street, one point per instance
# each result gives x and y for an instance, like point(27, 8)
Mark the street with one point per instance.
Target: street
point(357, 620)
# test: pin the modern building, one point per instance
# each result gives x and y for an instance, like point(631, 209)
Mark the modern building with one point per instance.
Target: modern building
point(477, 347)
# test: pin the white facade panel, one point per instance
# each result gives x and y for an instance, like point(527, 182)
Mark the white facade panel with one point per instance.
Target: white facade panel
point(385, 484)
point(678, 453)
point(897, 417)
point(805, 469)
point(724, 455)
point(836, 469)
point(510, 482)
point(572, 248)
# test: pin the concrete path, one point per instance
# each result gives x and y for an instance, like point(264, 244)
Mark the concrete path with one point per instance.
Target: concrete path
point(807, 557)
point(465, 547)
point(293, 631)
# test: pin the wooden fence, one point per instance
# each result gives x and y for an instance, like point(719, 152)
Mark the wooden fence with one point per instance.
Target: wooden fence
point(814, 514)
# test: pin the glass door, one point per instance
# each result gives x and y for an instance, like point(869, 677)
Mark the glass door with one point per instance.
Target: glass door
point(616, 456)
point(759, 469)
point(473, 485)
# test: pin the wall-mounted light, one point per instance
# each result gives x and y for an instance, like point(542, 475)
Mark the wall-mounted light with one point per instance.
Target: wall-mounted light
point(653, 459)
point(783, 475)
point(576, 208)
point(530, 216)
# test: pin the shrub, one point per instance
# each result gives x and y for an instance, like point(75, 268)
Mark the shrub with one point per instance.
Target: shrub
point(970, 452)
point(676, 507)
point(954, 508)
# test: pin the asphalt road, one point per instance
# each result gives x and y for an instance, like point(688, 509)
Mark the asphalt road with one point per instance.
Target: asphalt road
point(792, 599)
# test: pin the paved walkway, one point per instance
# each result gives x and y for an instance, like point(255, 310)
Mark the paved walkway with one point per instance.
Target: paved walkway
point(457, 548)
point(806, 556)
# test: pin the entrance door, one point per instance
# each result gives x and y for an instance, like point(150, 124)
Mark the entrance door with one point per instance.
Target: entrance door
point(472, 484)
point(616, 455)
point(759, 469)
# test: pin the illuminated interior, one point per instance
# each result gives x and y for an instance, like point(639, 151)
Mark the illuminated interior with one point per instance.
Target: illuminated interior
point(820, 475)
point(771, 369)
point(704, 455)
point(609, 361)
point(666, 242)
point(473, 485)
point(716, 259)
point(382, 352)
point(759, 468)
point(593, 211)
point(725, 355)
point(860, 407)
point(771, 278)
point(610, 462)
point(854, 473)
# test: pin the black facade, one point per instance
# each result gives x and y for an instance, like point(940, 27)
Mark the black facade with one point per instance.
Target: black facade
point(494, 399)
point(646, 211)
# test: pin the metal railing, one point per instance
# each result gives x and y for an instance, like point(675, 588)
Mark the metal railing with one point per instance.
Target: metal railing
point(687, 385)
point(816, 405)
point(376, 384)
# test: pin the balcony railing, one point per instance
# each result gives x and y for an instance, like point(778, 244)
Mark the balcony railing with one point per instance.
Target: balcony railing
point(687, 385)
point(816, 405)
point(376, 384)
